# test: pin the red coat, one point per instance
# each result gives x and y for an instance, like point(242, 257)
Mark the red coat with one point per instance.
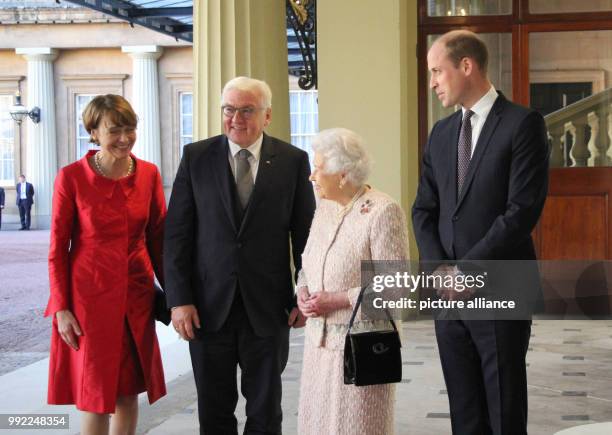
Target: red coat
point(106, 241)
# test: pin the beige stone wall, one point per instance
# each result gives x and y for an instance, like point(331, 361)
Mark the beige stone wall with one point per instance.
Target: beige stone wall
point(90, 61)
point(368, 83)
point(175, 76)
point(568, 52)
point(82, 35)
point(108, 70)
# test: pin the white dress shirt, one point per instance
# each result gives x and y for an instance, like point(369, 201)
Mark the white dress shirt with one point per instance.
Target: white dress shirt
point(481, 110)
point(23, 192)
point(254, 149)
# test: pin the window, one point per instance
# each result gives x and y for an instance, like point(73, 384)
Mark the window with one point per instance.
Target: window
point(82, 137)
point(7, 142)
point(304, 113)
point(441, 8)
point(186, 119)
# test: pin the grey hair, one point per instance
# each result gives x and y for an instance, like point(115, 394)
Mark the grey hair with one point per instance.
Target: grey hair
point(343, 150)
point(249, 84)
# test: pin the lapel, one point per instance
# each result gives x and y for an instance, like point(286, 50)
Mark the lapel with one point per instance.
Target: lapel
point(484, 139)
point(222, 173)
point(265, 173)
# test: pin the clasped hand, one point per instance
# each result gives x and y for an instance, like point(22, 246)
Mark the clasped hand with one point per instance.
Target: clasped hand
point(321, 302)
point(450, 293)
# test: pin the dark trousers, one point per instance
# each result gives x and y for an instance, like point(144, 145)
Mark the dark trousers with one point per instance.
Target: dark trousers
point(486, 378)
point(0, 218)
point(24, 213)
point(215, 356)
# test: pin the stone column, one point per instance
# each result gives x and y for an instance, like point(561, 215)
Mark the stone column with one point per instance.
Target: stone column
point(145, 100)
point(41, 147)
point(239, 38)
point(599, 122)
point(374, 92)
point(557, 152)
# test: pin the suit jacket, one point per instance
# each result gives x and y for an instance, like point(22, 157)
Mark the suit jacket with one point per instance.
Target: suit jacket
point(29, 194)
point(210, 251)
point(503, 193)
point(2, 196)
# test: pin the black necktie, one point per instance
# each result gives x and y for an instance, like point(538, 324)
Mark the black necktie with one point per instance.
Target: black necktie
point(464, 149)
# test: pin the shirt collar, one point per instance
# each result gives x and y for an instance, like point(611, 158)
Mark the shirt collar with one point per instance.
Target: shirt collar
point(254, 148)
point(484, 105)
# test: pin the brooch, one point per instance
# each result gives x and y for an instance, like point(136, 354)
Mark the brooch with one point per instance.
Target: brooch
point(365, 207)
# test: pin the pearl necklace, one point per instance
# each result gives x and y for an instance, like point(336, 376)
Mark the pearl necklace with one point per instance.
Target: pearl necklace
point(344, 210)
point(99, 166)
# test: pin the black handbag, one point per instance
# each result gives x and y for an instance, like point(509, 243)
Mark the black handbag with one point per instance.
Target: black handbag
point(373, 357)
point(161, 311)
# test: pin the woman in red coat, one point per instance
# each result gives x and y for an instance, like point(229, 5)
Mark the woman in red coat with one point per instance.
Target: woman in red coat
point(106, 244)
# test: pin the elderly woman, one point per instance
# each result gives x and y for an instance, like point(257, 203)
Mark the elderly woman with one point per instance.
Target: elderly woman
point(106, 243)
point(353, 222)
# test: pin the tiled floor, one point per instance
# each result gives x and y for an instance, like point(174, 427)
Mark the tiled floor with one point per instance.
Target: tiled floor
point(570, 382)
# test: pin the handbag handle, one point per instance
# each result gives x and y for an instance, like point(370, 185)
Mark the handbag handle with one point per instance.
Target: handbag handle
point(358, 303)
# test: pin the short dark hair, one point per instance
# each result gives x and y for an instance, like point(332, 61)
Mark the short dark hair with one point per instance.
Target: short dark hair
point(460, 44)
point(118, 108)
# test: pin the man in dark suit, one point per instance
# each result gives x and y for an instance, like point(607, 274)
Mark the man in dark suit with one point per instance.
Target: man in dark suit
point(482, 188)
point(1, 204)
point(239, 202)
point(25, 200)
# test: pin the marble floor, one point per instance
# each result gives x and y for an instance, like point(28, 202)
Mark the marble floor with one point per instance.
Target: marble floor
point(569, 375)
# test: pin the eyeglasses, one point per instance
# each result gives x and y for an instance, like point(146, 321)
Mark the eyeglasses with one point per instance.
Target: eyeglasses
point(245, 112)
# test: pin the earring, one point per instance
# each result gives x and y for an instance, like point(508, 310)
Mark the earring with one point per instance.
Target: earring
point(341, 184)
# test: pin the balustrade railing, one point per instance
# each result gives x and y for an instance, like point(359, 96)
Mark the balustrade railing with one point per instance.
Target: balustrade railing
point(580, 132)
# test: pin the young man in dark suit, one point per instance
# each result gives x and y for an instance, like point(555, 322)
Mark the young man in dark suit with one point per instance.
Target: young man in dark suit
point(239, 202)
point(25, 200)
point(482, 189)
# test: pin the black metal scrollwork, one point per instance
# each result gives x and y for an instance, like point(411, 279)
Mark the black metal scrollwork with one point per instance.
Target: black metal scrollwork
point(302, 17)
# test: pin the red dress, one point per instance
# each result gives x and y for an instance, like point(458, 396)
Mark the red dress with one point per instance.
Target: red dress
point(106, 242)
